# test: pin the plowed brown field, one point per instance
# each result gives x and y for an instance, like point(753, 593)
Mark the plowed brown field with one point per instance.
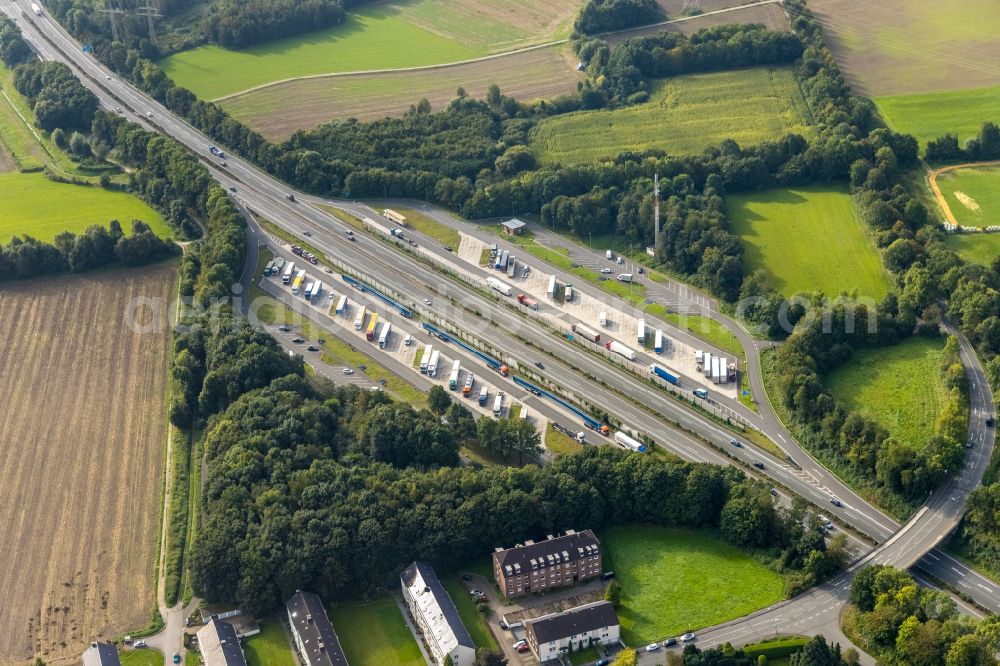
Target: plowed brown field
point(82, 432)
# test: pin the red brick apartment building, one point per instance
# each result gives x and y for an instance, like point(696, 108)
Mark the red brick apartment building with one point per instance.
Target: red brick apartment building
point(534, 567)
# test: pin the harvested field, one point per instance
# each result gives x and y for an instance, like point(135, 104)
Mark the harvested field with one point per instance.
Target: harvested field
point(895, 47)
point(771, 15)
point(541, 73)
point(82, 428)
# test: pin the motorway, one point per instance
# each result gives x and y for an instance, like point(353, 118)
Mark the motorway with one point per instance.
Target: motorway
point(267, 196)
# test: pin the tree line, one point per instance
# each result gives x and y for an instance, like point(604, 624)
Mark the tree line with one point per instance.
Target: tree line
point(904, 623)
point(982, 147)
point(606, 15)
point(238, 23)
point(57, 98)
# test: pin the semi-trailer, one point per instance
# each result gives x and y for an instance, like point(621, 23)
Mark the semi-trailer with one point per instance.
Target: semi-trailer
point(453, 377)
point(551, 291)
point(511, 267)
point(658, 342)
point(498, 404)
point(432, 367)
point(706, 364)
point(603, 319)
point(286, 278)
point(359, 319)
point(309, 290)
point(394, 216)
point(341, 305)
point(425, 358)
point(470, 381)
point(568, 295)
point(586, 333)
point(383, 336)
point(663, 374)
point(497, 285)
point(484, 395)
point(629, 443)
point(269, 268)
point(504, 259)
point(317, 290)
point(370, 331)
point(279, 265)
point(641, 332)
point(300, 277)
point(527, 301)
point(619, 348)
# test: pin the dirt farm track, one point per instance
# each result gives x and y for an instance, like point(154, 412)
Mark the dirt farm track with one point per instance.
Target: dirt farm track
point(82, 432)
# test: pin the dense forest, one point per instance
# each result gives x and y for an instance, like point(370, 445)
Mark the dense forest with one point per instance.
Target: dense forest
point(906, 624)
point(607, 15)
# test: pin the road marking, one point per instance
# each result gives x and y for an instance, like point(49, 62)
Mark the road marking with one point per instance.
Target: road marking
point(985, 588)
point(933, 556)
point(957, 571)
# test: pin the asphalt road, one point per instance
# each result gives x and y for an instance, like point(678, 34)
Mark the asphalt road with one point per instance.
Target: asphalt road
point(266, 195)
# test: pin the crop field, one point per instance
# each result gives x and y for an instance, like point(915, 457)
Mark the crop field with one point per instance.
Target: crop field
point(42, 208)
point(83, 426)
point(975, 248)
point(930, 115)
point(895, 47)
point(771, 16)
point(528, 75)
point(807, 239)
point(973, 195)
point(685, 115)
point(897, 386)
point(375, 633)
point(658, 568)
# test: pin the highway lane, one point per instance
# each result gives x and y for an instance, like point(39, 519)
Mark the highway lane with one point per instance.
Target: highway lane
point(177, 128)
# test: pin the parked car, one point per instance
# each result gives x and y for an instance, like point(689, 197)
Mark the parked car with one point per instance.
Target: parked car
point(448, 247)
point(670, 642)
point(298, 341)
point(348, 371)
point(774, 492)
point(602, 662)
point(652, 647)
point(688, 637)
point(519, 643)
point(606, 271)
point(140, 644)
point(176, 658)
point(312, 348)
point(474, 592)
point(524, 648)
point(284, 329)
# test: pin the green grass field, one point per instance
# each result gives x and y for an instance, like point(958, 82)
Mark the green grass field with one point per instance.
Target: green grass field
point(559, 443)
point(270, 647)
point(685, 115)
point(141, 657)
point(973, 195)
point(807, 239)
point(430, 227)
point(975, 248)
point(676, 580)
point(369, 39)
point(42, 208)
point(375, 633)
point(899, 386)
point(473, 620)
point(928, 116)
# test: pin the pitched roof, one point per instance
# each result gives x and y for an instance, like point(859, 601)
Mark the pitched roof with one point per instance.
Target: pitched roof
point(310, 622)
point(529, 556)
point(437, 607)
point(220, 646)
point(513, 224)
point(101, 654)
point(573, 622)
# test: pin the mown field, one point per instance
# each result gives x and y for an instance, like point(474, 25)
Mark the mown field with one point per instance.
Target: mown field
point(390, 35)
point(270, 647)
point(895, 47)
point(673, 581)
point(42, 208)
point(536, 74)
point(82, 427)
point(928, 116)
point(899, 386)
point(685, 115)
point(771, 16)
point(807, 239)
point(976, 248)
point(374, 634)
point(973, 195)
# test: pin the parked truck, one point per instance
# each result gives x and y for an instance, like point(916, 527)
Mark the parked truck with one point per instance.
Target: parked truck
point(370, 331)
point(432, 367)
point(470, 381)
point(359, 319)
point(341, 308)
point(641, 332)
point(603, 319)
point(425, 358)
point(383, 336)
point(497, 285)
point(511, 267)
point(608, 255)
point(618, 348)
point(629, 443)
point(300, 277)
point(624, 277)
point(706, 364)
point(484, 395)
point(286, 278)
point(527, 301)
point(658, 342)
point(551, 291)
point(453, 377)
point(498, 404)
point(310, 286)
point(663, 374)
point(586, 333)
point(568, 294)
point(279, 265)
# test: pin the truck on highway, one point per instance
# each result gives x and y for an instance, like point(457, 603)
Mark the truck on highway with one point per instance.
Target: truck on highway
point(432, 367)
point(289, 270)
point(425, 358)
point(568, 294)
point(618, 348)
point(498, 404)
point(629, 443)
point(341, 305)
point(383, 336)
point(624, 277)
point(700, 393)
point(470, 381)
point(300, 277)
point(370, 331)
point(35, 8)
point(663, 374)
point(641, 332)
point(359, 318)
point(453, 377)
point(586, 333)
point(497, 285)
point(484, 395)
point(398, 233)
point(527, 301)
point(658, 342)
